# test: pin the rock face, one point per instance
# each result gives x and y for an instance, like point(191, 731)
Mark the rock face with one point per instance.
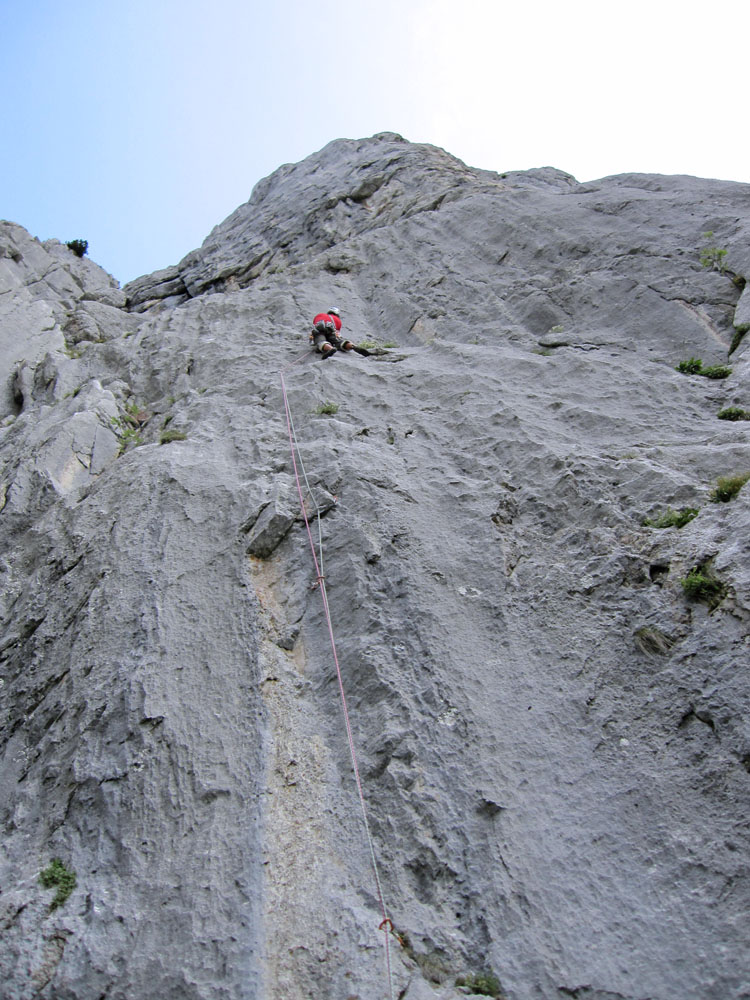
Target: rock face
point(551, 733)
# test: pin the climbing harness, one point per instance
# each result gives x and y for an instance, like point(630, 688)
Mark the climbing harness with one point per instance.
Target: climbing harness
point(386, 924)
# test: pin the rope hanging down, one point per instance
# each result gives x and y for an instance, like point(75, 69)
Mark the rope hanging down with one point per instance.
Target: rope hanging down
point(386, 923)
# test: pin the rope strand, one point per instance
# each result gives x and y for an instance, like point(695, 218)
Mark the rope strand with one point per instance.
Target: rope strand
point(294, 446)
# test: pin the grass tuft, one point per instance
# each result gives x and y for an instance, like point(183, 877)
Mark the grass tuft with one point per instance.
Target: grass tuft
point(484, 983)
point(672, 518)
point(56, 875)
point(690, 367)
point(716, 371)
point(694, 366)
point(727, 487)
point(733, 413)
point(712, 256)
point(653, 641)
point(167, 436)
point(739, 333)
point(701, 585)
point(327, 409)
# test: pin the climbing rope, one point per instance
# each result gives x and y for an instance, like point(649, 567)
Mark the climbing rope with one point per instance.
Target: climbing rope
point(385, 925)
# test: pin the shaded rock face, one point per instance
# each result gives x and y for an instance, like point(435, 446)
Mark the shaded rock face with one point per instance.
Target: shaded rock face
point(552, 737)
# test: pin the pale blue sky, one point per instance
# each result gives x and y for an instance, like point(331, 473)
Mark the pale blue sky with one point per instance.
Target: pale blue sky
point(140, 125)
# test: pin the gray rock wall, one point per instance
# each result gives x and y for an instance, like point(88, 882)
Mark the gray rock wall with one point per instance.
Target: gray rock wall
point(552, 737)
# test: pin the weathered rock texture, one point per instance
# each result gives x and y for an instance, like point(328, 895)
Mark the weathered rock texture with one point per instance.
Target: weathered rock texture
point(553, 738)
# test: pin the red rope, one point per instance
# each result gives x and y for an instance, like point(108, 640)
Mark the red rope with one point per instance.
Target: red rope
point(386, 921)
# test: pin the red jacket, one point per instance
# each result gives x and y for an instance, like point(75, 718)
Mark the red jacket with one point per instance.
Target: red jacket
point(326, 318)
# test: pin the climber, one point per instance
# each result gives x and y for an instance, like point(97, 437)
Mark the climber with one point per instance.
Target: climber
point(326, 335)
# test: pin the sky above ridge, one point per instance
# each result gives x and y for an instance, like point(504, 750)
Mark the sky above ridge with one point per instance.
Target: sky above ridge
point(140, 125)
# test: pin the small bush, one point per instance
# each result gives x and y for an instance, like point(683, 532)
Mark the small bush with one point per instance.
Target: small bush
point(727, 487)
point(716, 371)
point(690, 367)
point(672, 518)
point(79, 247)
point(127, 433)
point(739, 333)
point(701, 585)
point(167, 436)
point(56, 875)
point(134, 415)
point(485, 983)
point(694, 366)
point(128, 425)
point(733, 413)
point(713, 256)
point(327, 409)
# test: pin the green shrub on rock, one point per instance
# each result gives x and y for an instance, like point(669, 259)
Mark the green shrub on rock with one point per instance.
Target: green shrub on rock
point(733, 413)
point(173, 435)
point(56, 875)
point(484, 983)
point(79, 247)
point(694, 366)
point(716, 371)
point(690, 367)
point(712, 256)
point(701, 585)
point(727, 487)
point(327, 409)
point(739, 333)
point(672, 518)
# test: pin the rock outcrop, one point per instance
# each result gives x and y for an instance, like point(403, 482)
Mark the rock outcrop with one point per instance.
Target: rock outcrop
point(551, 730)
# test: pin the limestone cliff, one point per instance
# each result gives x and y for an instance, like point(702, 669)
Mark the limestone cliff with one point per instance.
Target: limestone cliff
point(552, 732)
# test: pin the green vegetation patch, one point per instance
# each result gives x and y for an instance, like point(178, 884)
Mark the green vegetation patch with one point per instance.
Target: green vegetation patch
point(733, 413)
point(79, 247)
point(327, 409)
point(57, 876)
point(690, 367)
point(701, 585)
point(716, 371)
point(739, 333)
point(134, 415)
point(713, 257)
point(167, 436)
point(128, 425)
point(672, 518)
point(484, 983)
point(694, 366)
point(727, 487)
point(128, 435)
point(652, 640)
